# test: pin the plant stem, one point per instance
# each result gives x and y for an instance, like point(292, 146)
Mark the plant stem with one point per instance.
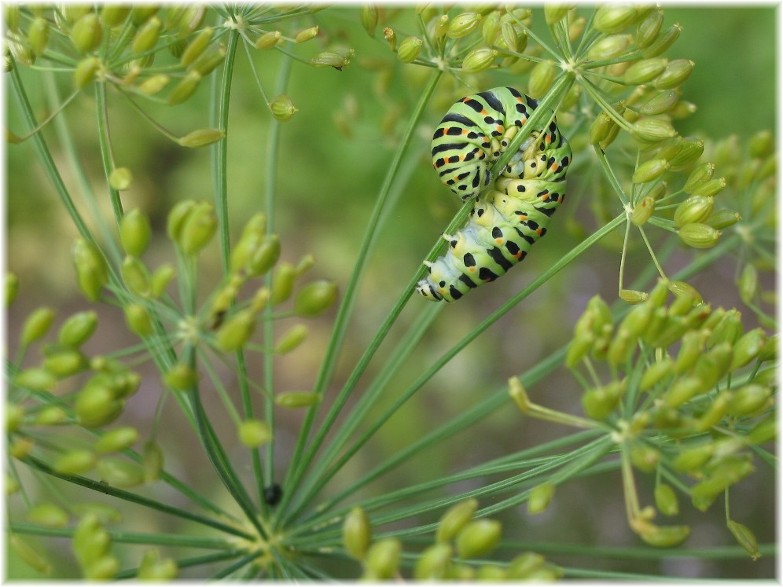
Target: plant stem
point(104, 140)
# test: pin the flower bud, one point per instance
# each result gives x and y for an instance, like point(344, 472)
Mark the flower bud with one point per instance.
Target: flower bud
point(138, 320)
point(147, 35)
point(433, 563)
point(745, 538)
point(135, 232)
point(208, 61)
point(490, 28)
point(283, 282)
point(676, 72)
point(455, 519)
point(36, 379)
point(48, 515)
point(655, 373)
point(712, 187)
point(36, 325)
point(314, 298)
point(357, 533)
point(692, 210)
point(91, 270)
point(541, 79)
point(38, 35)
point(409, 49)
point(117, 440)
point(699, 176)
point(644, 71)
point(96, 406)
point(198, 228)
point(644, 457)
point(730, 471)
point(85, 71)
point(65, 363)
point(141, 13)
point(650, 170)
point(269, 40)
point(662, 41)
point(580, 345)
point(151, 86)
point(196, 47)
point(609, 47)
point(297, 399)
point(714, 414)
point(120, 472)
point(666, 500)
point(180, 377)
point(383, 559)
point(153, 568)
point(554, 13)
point(513, 37)
point(86, 33)
point(659, 103)
point(368, 14)
point(723, 219)
point(135, 276)
point(11, 288)
point(306, 34)
point(253, 433)
point(201, 137)
point(330, 59)
point(765, 431)
point(160, 280)
point(526, 566)
point(113, 15)
point(479, 60)
point(694, 458)
point(664, 536)
point(611, 19)
point(152, 461)
point(747, 348)
point(74, 462)
point(463, 24)
point(603, 130)
point(653, 129)
point(749, 400)
point(478, 538)
point(20, 447)
point(761, 144)
point(648, 29)
point(682, 390)
point(699, 236)
point(540, 497)
point(185, 88)
point(282, 108)
point(291, 339)
point(687, 153)
point(233, 335)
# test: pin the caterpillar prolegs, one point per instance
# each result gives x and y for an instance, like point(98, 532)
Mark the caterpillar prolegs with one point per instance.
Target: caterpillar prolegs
point(511, 216)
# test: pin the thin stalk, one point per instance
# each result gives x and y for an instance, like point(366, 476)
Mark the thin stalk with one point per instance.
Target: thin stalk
point(104, 141)
point(185, 563)
point(245, 560)
point(301, 460)
point(134, 498)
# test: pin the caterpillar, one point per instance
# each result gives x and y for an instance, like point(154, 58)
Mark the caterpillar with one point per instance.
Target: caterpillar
point(512, 215)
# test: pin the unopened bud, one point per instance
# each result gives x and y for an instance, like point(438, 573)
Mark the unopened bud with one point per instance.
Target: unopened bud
point(712, 187)
point(65, 362)
point(383, 559)
point(160, 280)
point(609, 47)
point(147, 35)
point(283, 283)
point(662, 41)
point(723, 219)
point(540, 498)
point(645, 70)
point(603, 130)
point(306, 34)
point(291, 339)
point(48, 515)
point(135, 232)
point(761, 144)
point(75, 462)
point(330, 59)
point(633, 296)
point(656, 373)
point(478, 538)
point(666, 500)
point(433, 563)
point(282, 108)
point(120, 472)
point(180, 377)
point(315, 298)
point(409, 49)
point(85, 71)
point(196, 47)
point(368, 14)
point(38, 35)
point(91, 270)
point(117, 440)
point(479, 60)
point(554, 13)
point(676, 72)
point(269, 40)
point(694, 458)
point(699, 236)
point(749, 400)
point(644, 457)
point(113, 15)
point(36, 378)
point(297, 399)
point(648, 29)
point(455, 519)
point(612, 19)
point(236, 331)
point(463, 24)
point(86, 33)
point(693, 209)
point(357, 533)
point(198, 228)
point(659, 103)
point(653, 129)
point(185, 88)
point(745, 538)
point(36, 325)
point(541, 79)
point(664, 536)
point(153, 568)
point(699, 176)
point(490, 28)
point(650, 170)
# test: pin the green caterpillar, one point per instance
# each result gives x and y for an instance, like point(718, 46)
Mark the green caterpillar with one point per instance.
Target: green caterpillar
point(511, 216)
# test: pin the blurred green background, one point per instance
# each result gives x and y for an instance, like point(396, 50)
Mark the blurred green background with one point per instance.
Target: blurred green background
point(327, 184)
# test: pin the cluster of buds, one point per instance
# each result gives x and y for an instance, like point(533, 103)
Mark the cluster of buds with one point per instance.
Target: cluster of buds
point(688, 396)
point(458, 536)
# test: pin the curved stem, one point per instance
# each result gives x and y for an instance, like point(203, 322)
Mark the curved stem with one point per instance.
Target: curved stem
point(104, 140)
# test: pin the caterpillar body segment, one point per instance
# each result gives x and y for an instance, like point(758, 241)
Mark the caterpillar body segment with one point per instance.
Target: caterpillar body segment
point(511, 216)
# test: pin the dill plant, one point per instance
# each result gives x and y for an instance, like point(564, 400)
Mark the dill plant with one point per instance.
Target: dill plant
point(677, 392)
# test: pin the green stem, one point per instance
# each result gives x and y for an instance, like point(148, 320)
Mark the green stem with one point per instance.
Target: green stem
point(301, 460)
point(185, 563)
point(104, 141)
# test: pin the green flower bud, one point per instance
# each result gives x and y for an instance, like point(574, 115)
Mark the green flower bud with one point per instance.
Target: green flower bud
point(160, 280)
point(74, 462)
point(269, 40)
point(730, 471)
point(723, 219)
point(187, 18)
point(648, 29)
point(85, 71)
point(36, 325)
point(201, 137)
point(65, 363)
point(208, 61)
point(712, 187)
point(478, 538)
point(153, 568)
point(135, 276)
point(138, 320)
point(48, 515)
point(692, 210)
point(185, 88)
point(291, 339)
point(479, 60)
point(38, 35)
point(603, 131)
point(135, 232)
point(14, 414)
point(666, 500)
point(699, 176)
point(659, 103)
point(330, 59)
point(745, 538)
point(297, 399)
point(151, 86)
point(198, 228)
point(91, 270)
point(727, 330)
point(120, 472)
point(13, 17)
point(455, 519)
point(152, 461)
point(113, 15)
point(463, 24)
point(233, 335)
point(655, 373)
point(694, 458)
point(664, 536)
point(662, 41)
point(147, 35)
point(687, 153)
point(117, 440)
point(282, 108)
point(490, 28)
point(554, 13)
point(618, 348)
point(433, 563)
point(103, 513)
point(676, 72)
point(653, 129)
point(749, 400)
point(650, 170)
point(682, 390)
point(748, 283)
point(599, 402)
point(11, 288)
point(180, 377)
point(765, 431)
point(306, 34)
point(409, 49)
point(20, 448)
point(141, 13)
point(644, 457)
point(747, 348)
point(357, 533)
point(315, 297)
point(196, 47)
point(698, 235)
point(51, 416)
point(531, 566)
point(580, 345)
point(36, 379)
point(761, 144)
point(609, 47)
point(253, 433)
point(264, 257)
point(612, 19)
point(283, 282)
point(540, 498)
point(368, 14)
point(383, 559)
point(96, 406)
point(541, 79)
point(644, 71)
point(683, 109)
point(28, 554)
point(86, 33)
point(176, 218)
